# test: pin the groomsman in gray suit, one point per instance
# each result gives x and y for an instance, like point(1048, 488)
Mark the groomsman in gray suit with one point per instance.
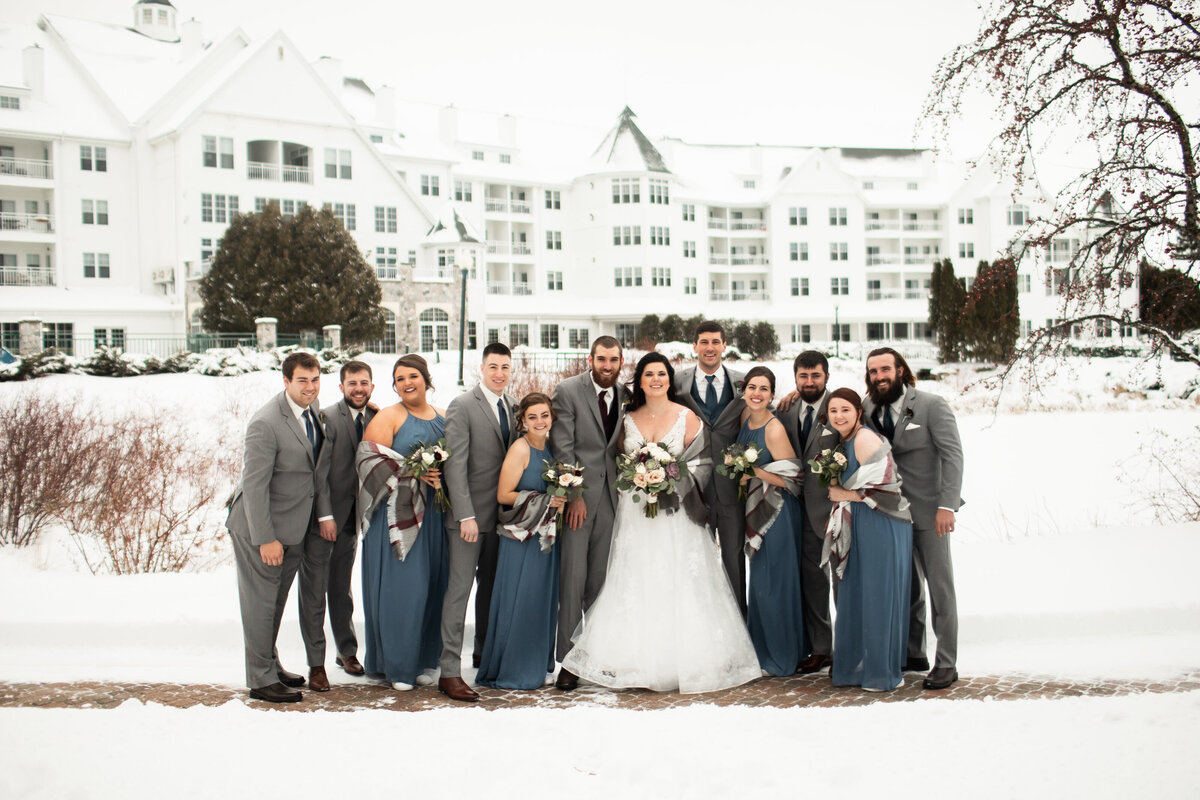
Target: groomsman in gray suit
point(713, 391)
point(807, 427)
point(929, 457)
point(589, 407)
point(274, 520)
point(348, 418)
point(480, 426)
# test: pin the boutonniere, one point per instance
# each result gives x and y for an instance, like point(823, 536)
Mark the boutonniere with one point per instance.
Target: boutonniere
point(908, 414)
point(822, 420)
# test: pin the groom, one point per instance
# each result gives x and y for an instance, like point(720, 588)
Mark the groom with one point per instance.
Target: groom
point(713, 392)
point(589, 407)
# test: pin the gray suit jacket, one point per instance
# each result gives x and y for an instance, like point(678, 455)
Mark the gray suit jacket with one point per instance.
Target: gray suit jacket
point(822, 437)
point(280, 484)
point(928, 454)
point(343, 478)
point(578, 436)
point(722, 432)
point(477, 450)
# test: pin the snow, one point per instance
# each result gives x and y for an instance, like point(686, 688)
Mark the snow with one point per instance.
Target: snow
point(1061, 570)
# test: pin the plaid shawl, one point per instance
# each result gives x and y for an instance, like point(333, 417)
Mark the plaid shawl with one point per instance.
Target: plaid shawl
point(879, 483)
point(530, 516)
point(687, 489)
point(381, 474)
point(764, 500)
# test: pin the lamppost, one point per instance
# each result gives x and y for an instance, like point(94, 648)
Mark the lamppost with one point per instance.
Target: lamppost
point(462, 319)
point(837, 334)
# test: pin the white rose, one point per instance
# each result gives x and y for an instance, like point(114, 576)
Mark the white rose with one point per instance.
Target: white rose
point(751, 455)
point(550, 474)
point(661, 455)
point(839, 458)
point(640, 469)
point(564, 480)
point(656, 476)
point(577, 480)
point(427, 458)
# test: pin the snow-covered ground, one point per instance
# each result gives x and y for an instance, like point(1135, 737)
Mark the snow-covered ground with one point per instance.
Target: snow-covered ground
point(1061, 568)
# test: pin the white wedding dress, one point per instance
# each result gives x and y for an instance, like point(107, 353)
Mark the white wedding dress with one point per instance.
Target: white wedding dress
point(666, 618)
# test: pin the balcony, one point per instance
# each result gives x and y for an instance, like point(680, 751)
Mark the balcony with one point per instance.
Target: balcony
point(737, 296)
point(26, 167)
point(929, 225)
point(882, 225)
point(520, 207)
point(723, 260)
point(498, 248)
point(515, 288)
point(34, 223)
point(874, 295)
point(717, 224)
point(261, 171)
point(876, 260)
point(748, 225)
point(922, 259)
point(495, 206)
point(521, 249)
point(26, 276)
point(743, 261)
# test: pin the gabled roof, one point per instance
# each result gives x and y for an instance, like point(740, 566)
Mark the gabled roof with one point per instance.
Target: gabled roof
point(627, 149)
point(451, 228)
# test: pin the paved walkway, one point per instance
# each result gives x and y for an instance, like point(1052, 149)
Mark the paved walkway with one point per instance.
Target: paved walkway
point(807, 691)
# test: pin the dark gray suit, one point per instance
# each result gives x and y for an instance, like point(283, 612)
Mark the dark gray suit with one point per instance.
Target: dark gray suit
point(477, 450)
point(727, 516)
point(282, 493)
point(814, 579)
point(577, 437)
point(929, 457)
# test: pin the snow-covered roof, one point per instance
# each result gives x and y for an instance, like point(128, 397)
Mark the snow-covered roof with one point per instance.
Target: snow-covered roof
point(627, 149)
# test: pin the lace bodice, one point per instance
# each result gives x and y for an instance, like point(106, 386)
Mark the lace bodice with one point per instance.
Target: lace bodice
point(673, 440)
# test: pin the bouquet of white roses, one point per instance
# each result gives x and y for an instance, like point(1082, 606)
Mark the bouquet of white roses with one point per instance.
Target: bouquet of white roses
point(650, 469)
point(424, 458)
point(739, 460)
point(829, 466)
point(563, 480)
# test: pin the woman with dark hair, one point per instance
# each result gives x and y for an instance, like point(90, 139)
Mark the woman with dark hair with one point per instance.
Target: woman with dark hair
point(775, 614)
point(404, 568)
point(666, 618)
point(523, 618)
point(868, 543)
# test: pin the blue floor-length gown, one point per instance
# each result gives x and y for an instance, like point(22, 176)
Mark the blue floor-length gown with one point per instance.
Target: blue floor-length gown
point(402, 600)
point(775, 613)
point(523, 619)
point(871, 631)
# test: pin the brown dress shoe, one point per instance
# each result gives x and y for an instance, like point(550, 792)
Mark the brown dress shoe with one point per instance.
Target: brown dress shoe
point(275, 693)
point(457, 689)
point(350, 664)
point(318, 681)
point(814, 663)
point(566, 681)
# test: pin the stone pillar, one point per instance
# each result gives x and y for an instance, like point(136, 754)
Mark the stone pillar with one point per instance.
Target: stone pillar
point(31, 342)
point(333, 336)
point(265, 328)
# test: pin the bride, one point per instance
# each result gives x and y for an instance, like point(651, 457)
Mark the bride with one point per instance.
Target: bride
point(666, 618)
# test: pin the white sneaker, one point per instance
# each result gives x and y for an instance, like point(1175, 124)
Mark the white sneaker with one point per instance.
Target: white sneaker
point(402, 687)
point(549, 679)
point(427, 678)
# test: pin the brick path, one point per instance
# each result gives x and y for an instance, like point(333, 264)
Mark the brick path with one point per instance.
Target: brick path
point(807, 691)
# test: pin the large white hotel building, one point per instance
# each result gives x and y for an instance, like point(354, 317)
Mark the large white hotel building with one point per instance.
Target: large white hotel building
point(127, 146)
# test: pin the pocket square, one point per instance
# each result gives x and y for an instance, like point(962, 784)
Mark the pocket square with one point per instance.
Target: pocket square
point(911, 425)
point(828, 433)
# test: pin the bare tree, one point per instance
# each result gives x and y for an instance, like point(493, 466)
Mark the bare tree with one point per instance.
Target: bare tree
point(1126, 74)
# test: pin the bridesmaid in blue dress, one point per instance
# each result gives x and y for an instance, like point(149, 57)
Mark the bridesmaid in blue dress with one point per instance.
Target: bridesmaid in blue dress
point(402, 600)
point(871, 630)
point(776, 612)
point(519, 650)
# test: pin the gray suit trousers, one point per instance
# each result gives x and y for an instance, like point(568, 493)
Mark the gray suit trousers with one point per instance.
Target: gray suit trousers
point(314, 579)
point(468, 561)
point(814, 585)
point(932, 564)
point(262, 594)
point(583, 568)
point(338, 594)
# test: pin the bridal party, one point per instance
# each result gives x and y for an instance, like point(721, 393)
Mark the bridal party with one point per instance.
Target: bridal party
point(690, 530)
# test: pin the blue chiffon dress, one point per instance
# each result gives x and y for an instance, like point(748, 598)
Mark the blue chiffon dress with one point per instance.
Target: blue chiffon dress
point(523, 619)
point(402, 600)
point(776, 609)
point(871, 631)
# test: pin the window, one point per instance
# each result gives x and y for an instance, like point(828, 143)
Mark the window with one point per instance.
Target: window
point(10, 336)
point(839, 286)
point(346, 214)
point(626, 333)
point(689, 249)
point(8, 101)
point(337, 164)
point(802, 333)
point(689, 285)
point(660, 235)
point(966, 249)
point(429, 185)
point(209, 158)
point(1062, 250)
point(626, 190)
point(578, 338)
point(799, 287)
point(206, 251)
point(147, 16)
point(518, 334)
point(1018, 215)
point(445, 258)
point(553, 240)
point(93, 158)
point(839, 251)
point(840, 333)
point(748, 183)
point(60, 335)
point(912, 187)
point(868, 185)
point(493, 335)
point(376, 138)
point(220, 208)
point(435, 329)
point(627, 276)
point(554, 280)
point(89, 212)
point(462, 191)
point(162, 16)
point(385, 219)
point(966, 216)
point(505, 158)
point(627, 235)
point(477, 155)
point(472, 336)
point(1024, 284)
point(385, 264)
point(797, 216)
point(553, 200)
point(689, 212)
point(95, 265)
point(837, 217)
point(226, 153)
point(659, 191)
point(660, 276)
point(550, 337)
point(108, 337)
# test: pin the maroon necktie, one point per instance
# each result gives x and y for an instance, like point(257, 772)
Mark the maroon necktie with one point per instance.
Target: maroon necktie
point(610, 422)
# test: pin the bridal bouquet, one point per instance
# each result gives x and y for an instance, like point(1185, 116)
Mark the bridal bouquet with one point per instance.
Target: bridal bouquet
point(650, 469)
point(425, 458)
point(829, 466)
point(740, 460)
point(563, 480)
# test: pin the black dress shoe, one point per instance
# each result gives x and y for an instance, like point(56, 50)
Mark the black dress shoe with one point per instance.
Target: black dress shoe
point(276, 693)
point(475, 660)
point(814, 663)
point(290, 678)
point(941, 678)
point(566, 680)
point(916, 664)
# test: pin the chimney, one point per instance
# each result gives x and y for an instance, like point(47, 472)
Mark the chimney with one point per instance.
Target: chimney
point(191, 39)
point(34, 63)
point(330, 70)
point(448, 125)
point(385, 107)
point(508, 131)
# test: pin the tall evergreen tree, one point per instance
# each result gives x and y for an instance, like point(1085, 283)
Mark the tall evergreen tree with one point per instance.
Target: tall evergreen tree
point(649, 332)
point(672, 329)
point(764, 340)
point(1168, 298)
point(947, 299)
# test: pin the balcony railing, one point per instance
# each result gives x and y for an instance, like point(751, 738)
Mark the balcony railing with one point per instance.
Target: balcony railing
point(742, 261)
point(497, 206)
point(921, 259)
point(712, 259)
point(387, 272)
point(931, 225)
point(521, 249)
point(883, 294)
point(717, 224)
point(747, 225)
point(292, 174)
point(26, 167)
point(882, 225)
point(36, 223)
point(499, 248)
point(520, 207)
point(877, 259)
point(721, 295)
point(514, 288)
point(261, 171)
point(26, 276)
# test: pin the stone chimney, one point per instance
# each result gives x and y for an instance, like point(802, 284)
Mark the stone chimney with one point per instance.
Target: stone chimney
point(191, 38)
point(34, 64)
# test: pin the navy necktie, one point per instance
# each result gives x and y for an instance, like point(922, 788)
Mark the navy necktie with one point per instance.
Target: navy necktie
point(806, 429)
point(358, 426)
point(504, 429)
point(710, 394)
point(886, 426)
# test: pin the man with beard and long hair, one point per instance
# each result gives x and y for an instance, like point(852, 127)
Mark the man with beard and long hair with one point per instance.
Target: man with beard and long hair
point(929, 457)
point(589, 407)
point(807, 424)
